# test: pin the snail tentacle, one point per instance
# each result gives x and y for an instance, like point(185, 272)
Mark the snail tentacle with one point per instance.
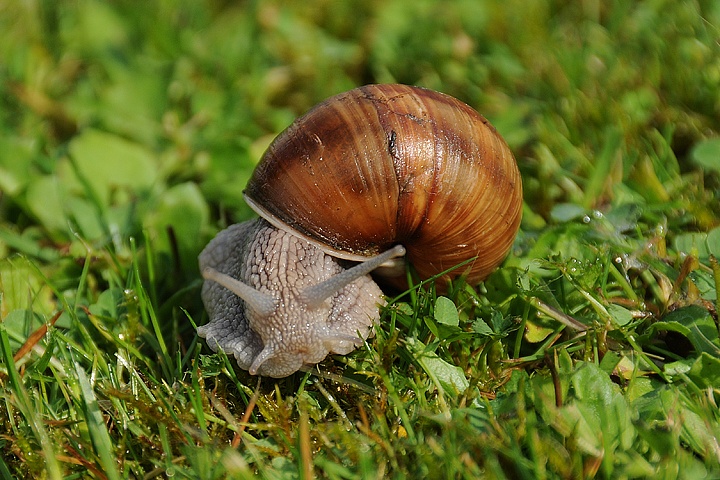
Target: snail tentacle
point(267, 353)
point(262, 303)
point(315, 295)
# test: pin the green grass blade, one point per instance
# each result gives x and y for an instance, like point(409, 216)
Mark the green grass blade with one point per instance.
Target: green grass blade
point(96, 426)
point(33, 416)
point(603, 166)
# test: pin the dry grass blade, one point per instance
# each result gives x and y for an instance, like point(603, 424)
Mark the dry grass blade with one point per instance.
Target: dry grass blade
point(35, 337)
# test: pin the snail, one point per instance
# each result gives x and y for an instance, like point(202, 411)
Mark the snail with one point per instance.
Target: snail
point(371, 175)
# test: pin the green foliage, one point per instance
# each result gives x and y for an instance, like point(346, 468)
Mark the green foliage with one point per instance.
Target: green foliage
point(130, 129)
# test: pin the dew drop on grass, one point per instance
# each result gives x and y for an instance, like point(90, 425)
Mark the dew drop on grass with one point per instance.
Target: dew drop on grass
point(574, 264)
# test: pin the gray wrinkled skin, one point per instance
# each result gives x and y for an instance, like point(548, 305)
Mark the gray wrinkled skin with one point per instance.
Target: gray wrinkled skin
point(282, 265)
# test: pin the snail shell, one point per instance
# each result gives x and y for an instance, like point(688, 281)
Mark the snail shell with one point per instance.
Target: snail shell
point(359, 174)
point(393, 164)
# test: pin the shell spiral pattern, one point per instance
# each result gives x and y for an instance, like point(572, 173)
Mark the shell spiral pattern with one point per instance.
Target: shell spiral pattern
point(394, 164)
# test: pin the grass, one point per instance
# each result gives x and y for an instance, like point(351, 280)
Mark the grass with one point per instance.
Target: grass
point(129, 130)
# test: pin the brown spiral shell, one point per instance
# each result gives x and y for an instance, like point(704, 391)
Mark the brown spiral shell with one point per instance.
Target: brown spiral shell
point(387, 164)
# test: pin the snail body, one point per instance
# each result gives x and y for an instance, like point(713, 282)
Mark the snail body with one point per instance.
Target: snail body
point(359, 174)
